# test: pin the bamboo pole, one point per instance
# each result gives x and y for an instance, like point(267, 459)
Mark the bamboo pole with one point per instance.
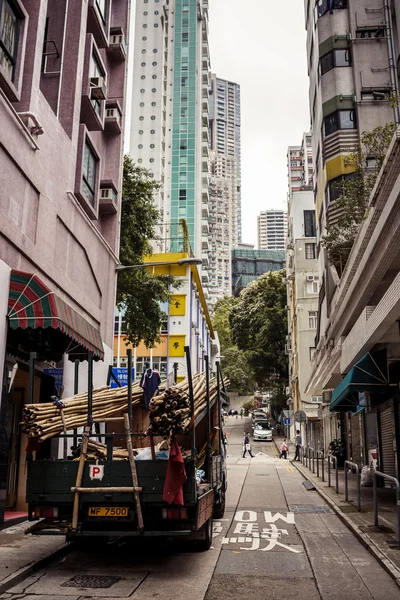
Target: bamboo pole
point(133, 471)
point(79, 477)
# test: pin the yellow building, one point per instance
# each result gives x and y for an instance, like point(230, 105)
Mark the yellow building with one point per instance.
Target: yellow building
point(187, 323)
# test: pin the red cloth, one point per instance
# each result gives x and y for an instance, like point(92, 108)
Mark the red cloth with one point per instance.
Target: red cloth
point(176, 476)
point(33, 445)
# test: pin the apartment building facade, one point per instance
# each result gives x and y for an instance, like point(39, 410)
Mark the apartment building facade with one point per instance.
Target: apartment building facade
point(170, 115)
point(302, 293)
point(352, 48)
point(62, 94)
point(300, 165)
point(272, 229)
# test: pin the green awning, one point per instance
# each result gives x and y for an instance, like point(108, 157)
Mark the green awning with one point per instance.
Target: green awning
point(365, 376)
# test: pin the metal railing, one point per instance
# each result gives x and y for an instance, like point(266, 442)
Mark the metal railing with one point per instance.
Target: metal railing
point(347, 464)
point(335, 462)
point(320, 455)
point(397, 484)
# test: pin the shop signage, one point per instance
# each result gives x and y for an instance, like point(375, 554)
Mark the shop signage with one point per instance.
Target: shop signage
point(58, 377)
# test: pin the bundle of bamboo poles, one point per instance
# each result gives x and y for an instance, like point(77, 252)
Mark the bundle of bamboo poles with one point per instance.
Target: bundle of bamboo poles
point(98, 451)
point(170, 413)
point(46, 420)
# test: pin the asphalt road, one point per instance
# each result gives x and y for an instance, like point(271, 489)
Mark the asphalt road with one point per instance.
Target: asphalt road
point(276, 541)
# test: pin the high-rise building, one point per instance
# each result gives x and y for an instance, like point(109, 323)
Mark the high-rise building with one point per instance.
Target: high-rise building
point(224, 196)
point(169, 127)
point(272, 229)
point(300, 165)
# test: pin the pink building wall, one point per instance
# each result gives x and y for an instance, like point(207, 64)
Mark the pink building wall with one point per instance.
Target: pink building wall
point(46, 226)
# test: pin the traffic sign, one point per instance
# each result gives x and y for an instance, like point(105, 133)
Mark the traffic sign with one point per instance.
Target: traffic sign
point(286, 421)
point(121, 374)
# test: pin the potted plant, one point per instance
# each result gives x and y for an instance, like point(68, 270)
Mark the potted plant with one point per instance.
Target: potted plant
point(336, 447)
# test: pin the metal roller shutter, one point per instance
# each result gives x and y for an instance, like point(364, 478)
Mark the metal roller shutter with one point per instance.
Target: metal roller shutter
point(386, 433)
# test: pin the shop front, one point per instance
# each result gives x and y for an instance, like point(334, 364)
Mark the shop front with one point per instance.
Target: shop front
point(41, 329)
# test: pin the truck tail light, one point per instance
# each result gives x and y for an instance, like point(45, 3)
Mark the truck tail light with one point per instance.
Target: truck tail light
point(45, 512)
point(174, 513)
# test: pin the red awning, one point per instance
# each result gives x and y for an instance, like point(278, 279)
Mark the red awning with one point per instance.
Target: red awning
point(32, 305)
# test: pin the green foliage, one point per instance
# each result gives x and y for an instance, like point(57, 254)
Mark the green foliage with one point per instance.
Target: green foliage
point(221, 318)
point(352, 204)
point(249, 406)
point(138, 291)
point(235, 366)
point(259, 326)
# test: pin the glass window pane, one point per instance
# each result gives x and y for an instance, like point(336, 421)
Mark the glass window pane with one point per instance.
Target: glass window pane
point(342, 58)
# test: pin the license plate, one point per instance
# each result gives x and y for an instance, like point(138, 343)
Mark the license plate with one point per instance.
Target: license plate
point(108, 511)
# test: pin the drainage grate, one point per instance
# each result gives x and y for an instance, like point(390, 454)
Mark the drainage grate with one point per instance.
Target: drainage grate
point(310, 508)
point(91, 581)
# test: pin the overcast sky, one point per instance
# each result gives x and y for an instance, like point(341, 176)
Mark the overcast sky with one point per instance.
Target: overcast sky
point(260, 44)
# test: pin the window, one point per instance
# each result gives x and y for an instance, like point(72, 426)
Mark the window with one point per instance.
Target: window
point(182, 195)
point(144, 51)
point(160, 364)
point(151, 160)
point(152, 131)
point(89, 173)
point(312, 319)
point(140, 146)
point(336, 58)
point(154, 104)
point(152, 118)
point(154, 64)
point(309, 223)
point(95, 70)
point(142, 92)
point(101, 6)
point(9, 29)
point(152, 146)
point(323, 6)
point(154, 90)
point(144, 25)
point(155, 24)
point(312, 287)
point(140, 131)
point(154, 76)
point(143, 77)
point(335, 188)
point(310, 251)
point(140, 360)
point(155, 50)
point(341, 119)
point(156, 12)
point(143, 64)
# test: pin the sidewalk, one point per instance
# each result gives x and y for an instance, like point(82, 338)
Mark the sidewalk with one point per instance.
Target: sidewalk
point(380, 541)
point(21, 555)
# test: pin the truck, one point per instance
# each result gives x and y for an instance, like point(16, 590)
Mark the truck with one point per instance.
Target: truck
point(67, 497)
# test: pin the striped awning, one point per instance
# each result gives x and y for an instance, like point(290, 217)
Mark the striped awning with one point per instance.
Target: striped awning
point(32, 305)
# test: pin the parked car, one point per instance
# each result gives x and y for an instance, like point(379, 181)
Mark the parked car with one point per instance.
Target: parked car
point(257, 414)
point(262, 431)
point(232, 412)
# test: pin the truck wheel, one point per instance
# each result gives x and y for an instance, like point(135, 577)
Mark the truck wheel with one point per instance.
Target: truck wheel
point(203, 545)
point(219, 508)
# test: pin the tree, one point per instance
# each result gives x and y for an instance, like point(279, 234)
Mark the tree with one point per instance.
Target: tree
point(139, 293)
point(352, 203)
point(259, 326)
point(221, 322)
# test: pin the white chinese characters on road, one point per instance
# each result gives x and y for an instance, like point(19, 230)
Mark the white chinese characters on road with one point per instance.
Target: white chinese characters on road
point(248, 531)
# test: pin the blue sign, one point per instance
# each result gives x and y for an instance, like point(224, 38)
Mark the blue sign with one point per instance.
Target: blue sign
point(58, 376)
point(121, 374)
point(286, 421)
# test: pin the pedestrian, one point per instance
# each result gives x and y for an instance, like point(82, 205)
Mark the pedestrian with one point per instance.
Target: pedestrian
point(278, 429)
point(298, 445)
point(284, 449)
point(246, 444)
point(241, 413)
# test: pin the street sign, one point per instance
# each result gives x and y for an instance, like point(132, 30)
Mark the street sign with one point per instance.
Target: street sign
point(58, 377)
point(300, 416)
point(286, 421)
point(122, 375)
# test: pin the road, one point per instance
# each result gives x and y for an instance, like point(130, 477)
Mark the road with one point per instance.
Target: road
point(277, 541)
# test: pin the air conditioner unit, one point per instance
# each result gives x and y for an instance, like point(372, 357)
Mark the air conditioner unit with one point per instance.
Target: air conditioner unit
point(310, 277)
point(98, 89)
point(107, 194)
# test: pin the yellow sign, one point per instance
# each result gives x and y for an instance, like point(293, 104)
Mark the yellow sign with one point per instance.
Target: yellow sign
point(178, 305)
point(176, 345)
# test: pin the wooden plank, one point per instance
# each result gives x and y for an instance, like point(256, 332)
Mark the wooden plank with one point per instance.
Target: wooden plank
point(106, 490)
point(133, 471)
point(79, 477)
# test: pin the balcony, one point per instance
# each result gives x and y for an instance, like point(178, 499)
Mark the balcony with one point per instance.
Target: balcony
point(205, 259)
point(108, 198)
point(205, 228)
point(113, 119)
point(205, 118)
point(117, 45)
point(205, 213)
point(205, 244)
point(205, 150)
point(204, 277)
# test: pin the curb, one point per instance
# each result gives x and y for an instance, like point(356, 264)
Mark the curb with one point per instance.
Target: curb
point(25, 572)
point(363, 538)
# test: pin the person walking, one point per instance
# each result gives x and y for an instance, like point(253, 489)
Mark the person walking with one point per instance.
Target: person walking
point(278, 429)
point(298, 445)
point(241, 413)
point(246, 444)
point(284, 449)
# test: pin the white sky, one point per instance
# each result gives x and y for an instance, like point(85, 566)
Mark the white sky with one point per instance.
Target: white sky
point(261, 44)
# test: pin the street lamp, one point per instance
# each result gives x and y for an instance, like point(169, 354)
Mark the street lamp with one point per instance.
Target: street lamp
point(182, 262)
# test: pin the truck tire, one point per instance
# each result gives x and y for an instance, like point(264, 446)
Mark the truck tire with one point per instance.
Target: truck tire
point(219, 508)
point(203, 545)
